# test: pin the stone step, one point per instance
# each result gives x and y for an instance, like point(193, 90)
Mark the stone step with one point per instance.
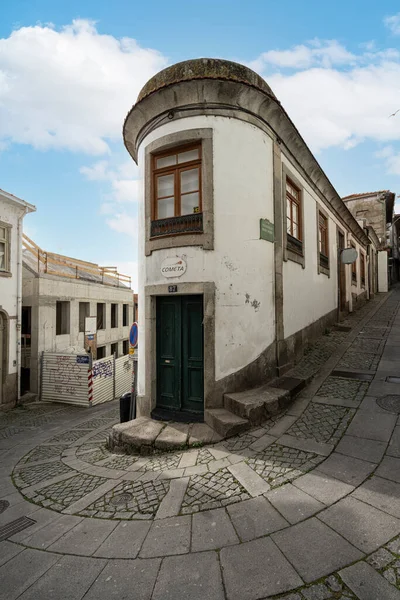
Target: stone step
point(257, 405)
point(225, 422)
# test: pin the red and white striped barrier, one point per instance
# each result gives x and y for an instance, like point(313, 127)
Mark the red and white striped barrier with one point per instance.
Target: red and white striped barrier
point(90, 386)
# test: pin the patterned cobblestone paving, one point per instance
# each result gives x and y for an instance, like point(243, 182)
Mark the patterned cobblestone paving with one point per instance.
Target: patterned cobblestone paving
point(368, 345)
point(120, 461)
point(279, 464)
point(239, 442)
point(163, 462)
point(347, 389)
point(329, 588)
point(359, 361)
point(92, 424)
point(68, 437)
point(212, 490)
point(10, 431)
point(322, 423)
point(129, 499)
point(101, 436)
point(386, 561)
point(204, 457)
point(61, 495)
point(44, 452)
point(92, 453)
point(318, 354)
point(38, 473)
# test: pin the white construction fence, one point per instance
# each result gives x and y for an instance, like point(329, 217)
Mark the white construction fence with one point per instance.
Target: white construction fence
point(76, 379)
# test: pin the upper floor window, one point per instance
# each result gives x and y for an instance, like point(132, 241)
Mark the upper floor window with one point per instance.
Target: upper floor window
point(4, 247)
point(293, 210)
point(177, 202)
point(354, 268)
point(323, 243)
point(362, 269)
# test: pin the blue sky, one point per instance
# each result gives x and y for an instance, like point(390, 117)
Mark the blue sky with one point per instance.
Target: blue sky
point(69, 72)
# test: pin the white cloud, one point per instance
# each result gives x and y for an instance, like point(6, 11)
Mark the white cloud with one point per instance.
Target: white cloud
point(124, 223)
point(70, 88)
point(391, 159)
point(325, 53)
point(337, 107)
point(393, 23)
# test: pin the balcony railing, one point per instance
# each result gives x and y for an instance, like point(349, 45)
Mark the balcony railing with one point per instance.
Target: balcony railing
point(294, 244)
point(324, 261)
point(176, 225)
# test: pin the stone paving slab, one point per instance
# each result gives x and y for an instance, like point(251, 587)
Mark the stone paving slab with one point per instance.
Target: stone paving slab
point(32, 564)
point(314, 549)
point(167, 537)
point(125, 541)
point(54, 582)
point(369, 450)
point(366, 425)
point(294, 504)
point(8, 551)
point(85, 538)
point(367, 584)
point(382, 494)
point(255, 518)
point(212, 529)
point(248, 579)
point(194, 576)
point(394, 444)
point(122, 580)
point(389, 469)
point(324, 488)
point(345, 468)
point(364, 526)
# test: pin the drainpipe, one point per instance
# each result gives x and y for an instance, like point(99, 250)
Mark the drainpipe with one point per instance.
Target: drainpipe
point(19, 301)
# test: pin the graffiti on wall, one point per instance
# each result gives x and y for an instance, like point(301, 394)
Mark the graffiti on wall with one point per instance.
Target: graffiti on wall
point(103, 369)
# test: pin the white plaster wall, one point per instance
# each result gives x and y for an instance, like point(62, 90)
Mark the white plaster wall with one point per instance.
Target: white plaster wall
point(43, 293)
point(241, 265)
point(307, 294)
point(382, 272)
point(9, 214)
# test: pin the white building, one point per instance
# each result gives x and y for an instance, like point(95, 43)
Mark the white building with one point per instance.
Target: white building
point(12, 212)
point(58, 293)
point(239, 233)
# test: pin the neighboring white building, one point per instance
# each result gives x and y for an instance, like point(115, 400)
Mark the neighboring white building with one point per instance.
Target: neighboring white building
point(12, 212)
point(239, 235)
point(58, 294)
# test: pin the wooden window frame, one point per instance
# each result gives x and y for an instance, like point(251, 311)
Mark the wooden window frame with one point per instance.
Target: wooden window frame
point(293, 248)
point(323, 257)
point(176, 171)
point(6, 271)
point(362, 269)
point(354, 268)
point(298, 201)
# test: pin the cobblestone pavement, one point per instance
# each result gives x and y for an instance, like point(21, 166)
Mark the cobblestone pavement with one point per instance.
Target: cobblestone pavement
point(306, 507)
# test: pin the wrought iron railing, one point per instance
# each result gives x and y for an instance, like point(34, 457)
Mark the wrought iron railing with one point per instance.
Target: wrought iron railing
point(324, 261)
point(294, 244)
point(176, 225)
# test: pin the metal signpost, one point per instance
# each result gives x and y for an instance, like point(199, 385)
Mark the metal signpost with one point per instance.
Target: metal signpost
point(133, 342)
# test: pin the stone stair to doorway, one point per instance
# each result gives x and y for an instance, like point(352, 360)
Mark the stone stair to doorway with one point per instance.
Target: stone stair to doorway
point(243, 410)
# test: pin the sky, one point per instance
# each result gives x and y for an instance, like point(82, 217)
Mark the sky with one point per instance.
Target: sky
point(70, 72)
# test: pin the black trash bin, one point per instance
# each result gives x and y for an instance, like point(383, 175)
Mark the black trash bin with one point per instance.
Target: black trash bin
point(125, 407)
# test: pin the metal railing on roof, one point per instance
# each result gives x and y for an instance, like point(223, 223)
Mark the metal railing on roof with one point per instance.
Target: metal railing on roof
point(72, 268)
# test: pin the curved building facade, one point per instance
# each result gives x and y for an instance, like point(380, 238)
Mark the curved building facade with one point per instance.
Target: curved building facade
point(239, 230)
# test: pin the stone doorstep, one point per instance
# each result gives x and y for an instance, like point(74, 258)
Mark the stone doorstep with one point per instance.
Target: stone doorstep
point(144, 435)
point(259, 404)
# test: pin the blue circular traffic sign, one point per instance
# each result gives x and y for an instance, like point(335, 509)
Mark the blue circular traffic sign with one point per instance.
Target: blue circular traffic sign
point(133, 335)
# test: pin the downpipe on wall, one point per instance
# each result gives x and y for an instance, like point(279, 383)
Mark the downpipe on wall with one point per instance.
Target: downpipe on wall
point(19, 301)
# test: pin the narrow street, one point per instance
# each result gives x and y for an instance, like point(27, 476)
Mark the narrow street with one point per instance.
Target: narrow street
point(306, 507)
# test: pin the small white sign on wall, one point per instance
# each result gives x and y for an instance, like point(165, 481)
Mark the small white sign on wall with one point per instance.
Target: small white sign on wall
point(90, 325)
point(173, 267)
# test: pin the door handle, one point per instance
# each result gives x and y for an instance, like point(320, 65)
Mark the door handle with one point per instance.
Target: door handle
point(167, 361)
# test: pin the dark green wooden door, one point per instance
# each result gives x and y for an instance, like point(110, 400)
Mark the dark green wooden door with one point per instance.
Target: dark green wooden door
point(180, 353)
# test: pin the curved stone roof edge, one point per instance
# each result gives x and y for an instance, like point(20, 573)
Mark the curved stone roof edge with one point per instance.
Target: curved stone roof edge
point(338, 205)
point(204, 68)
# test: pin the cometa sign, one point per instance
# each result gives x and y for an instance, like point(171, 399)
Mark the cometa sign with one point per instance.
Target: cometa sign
point(173, 267)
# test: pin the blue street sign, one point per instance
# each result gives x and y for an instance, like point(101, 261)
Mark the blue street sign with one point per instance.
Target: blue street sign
point(133, 335)
point(82, 360)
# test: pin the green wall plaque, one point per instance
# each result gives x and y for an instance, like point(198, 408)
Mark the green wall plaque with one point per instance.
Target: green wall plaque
point(267, 231)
